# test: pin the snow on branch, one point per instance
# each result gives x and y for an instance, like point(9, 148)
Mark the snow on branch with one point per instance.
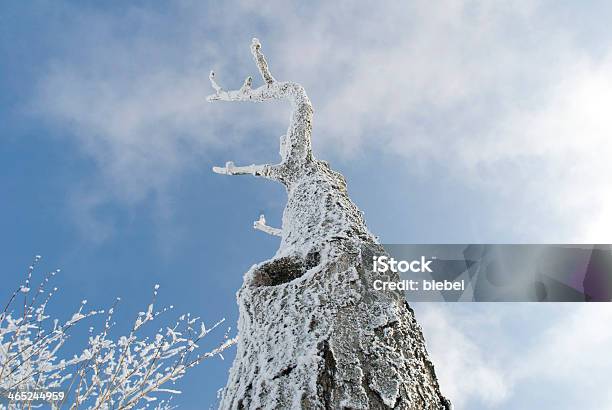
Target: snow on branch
point(246, 93)
point(260, 225)
point(295, 145)
point(117, 373)
point(230, 169)
point(261, 62)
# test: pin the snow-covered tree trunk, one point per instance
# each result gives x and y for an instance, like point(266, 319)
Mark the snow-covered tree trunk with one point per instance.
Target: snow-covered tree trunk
point(313, 332)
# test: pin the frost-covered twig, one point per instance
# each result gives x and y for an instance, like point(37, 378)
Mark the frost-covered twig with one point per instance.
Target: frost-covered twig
point(231, 169)
point(260, 225)
point(108, 373)
point(273, 172)
point(261, 62)
point(245, 92)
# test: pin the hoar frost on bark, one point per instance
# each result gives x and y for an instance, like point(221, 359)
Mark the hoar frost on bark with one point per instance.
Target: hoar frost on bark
point(313, 332)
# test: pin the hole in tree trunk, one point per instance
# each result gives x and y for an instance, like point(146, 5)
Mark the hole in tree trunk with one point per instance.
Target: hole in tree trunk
point(284, 270)
point(279, 271)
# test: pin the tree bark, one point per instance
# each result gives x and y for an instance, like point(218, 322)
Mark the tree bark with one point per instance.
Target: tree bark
point(313, 332)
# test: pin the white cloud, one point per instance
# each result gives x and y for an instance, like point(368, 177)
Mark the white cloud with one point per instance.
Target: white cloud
point(130, 92)
point(134, 104)
point(501, 95)
point(467, 373)
point(569, 137)
point(573, 349)
point(505, 355)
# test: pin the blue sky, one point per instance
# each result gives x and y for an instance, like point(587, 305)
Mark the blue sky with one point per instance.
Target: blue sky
point(462, 122)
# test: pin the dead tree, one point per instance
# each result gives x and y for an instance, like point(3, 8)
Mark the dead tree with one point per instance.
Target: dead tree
point(313, 332)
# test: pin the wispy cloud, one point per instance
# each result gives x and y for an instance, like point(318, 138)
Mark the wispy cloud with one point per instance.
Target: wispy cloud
point(468, 373)
point(509, 98)
point(509, 356)
point(130, 93)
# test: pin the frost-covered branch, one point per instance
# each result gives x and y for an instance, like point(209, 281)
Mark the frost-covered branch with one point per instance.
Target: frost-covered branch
point(295, 145)
point(246, 93)
point(261, 62)
point(260, 225)
point(273, 172)
point(108, 373)
point(231, 169)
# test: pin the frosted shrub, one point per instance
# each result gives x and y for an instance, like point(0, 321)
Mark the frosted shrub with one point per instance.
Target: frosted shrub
point(132, 371)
